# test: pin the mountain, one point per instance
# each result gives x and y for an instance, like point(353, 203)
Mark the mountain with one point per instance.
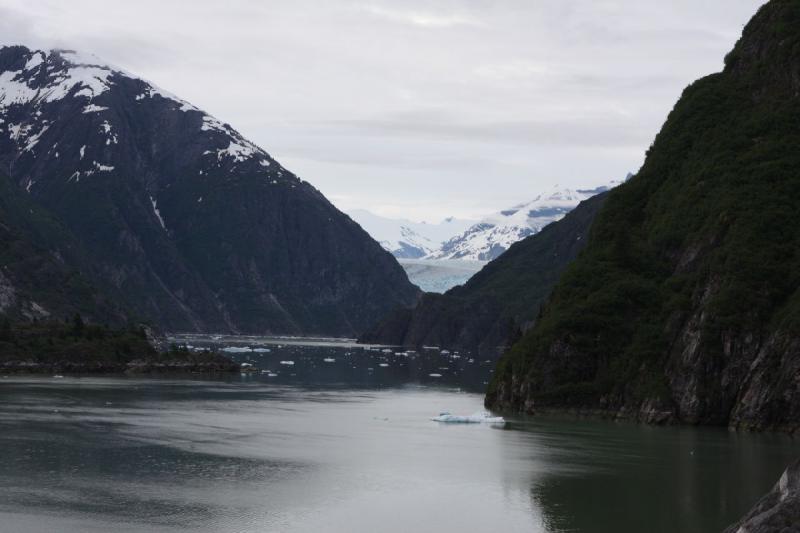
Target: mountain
point(192, 225)
point(406, 239)
point(685, 304)
point(490, 237)
point(44, 272)
point(498, 302)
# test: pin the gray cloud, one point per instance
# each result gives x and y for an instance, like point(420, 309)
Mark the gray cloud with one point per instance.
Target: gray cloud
point(417, 107)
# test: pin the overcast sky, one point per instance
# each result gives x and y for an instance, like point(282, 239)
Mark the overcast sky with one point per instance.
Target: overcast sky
point(412, 108)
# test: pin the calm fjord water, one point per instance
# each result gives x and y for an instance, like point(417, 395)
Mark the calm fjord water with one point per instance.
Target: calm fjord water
point(347, 445)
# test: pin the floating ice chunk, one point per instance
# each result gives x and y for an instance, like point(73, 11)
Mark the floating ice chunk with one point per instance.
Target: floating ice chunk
point(329, 360)
point(481, 417)
point(384, 365)
point(435, 375)
point(237, 349)
point(288, 363)
point(91, 108)
point(261, 350)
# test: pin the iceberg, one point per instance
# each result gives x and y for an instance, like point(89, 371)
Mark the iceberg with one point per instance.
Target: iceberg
point(481, 417)
point(237, 349)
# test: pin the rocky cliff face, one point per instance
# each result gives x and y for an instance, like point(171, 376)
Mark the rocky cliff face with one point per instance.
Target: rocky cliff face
point(498, 302)
point(778, 511)
point(195, 227)
point(685, 305)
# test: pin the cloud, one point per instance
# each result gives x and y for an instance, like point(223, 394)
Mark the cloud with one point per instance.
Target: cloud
point(424, 19)
point(439, 108)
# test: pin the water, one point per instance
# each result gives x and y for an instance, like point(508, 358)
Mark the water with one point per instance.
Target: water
point(339, 447)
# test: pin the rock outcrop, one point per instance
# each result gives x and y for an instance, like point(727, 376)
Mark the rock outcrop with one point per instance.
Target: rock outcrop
point(778, 511)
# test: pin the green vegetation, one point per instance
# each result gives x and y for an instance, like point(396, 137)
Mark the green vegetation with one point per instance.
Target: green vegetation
point(708, 231)
point(71, 343)
point(76, 346)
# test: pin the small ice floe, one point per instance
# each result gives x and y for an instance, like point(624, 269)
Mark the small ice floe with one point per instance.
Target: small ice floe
point(58, 376)
point(237, 349)
point(384, 365)
point(481, 417)
point(329, 360)
point(272, 375)
point(445, 352)
point(262, 350)
point(387, 350)
point(435, 375)
point(289, 363)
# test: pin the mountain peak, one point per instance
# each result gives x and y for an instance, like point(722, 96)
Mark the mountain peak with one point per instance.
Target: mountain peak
point(198, 226)
point(768, 53)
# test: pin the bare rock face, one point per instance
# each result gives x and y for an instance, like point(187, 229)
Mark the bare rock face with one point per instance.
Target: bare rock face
point(778, 511)
point(188, 223)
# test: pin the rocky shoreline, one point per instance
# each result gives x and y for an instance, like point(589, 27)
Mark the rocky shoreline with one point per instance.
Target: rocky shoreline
point(778, 511)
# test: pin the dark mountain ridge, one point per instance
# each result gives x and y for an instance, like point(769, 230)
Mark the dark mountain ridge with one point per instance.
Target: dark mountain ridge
point(193, 226)
point(685, 304)
point(499, 302)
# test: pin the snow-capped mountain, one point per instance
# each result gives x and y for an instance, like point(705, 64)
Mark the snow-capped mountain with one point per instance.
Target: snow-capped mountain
point(492, 236)
point(406, 239)
point(190, 224)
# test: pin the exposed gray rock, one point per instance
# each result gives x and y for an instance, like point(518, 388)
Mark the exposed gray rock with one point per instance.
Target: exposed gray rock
point(778, 511)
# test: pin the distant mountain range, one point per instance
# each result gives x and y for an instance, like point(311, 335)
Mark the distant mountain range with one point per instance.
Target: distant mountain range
point(139, 198)
point(493, 235)
point(488, 312)
point(473, 240)
point(406, 239)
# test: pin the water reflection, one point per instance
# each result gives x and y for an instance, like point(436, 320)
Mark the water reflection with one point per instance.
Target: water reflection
point(338, 447)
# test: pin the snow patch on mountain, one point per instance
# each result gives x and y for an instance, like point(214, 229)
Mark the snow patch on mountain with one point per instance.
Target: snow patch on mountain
point(494, 234)
point(406, 239)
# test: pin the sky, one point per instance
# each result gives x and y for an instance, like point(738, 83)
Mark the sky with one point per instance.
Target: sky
point(415, 109)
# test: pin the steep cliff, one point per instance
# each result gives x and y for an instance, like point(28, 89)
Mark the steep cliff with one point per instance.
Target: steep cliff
point(195, 227)
point(684, 306)
point(498, 302)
